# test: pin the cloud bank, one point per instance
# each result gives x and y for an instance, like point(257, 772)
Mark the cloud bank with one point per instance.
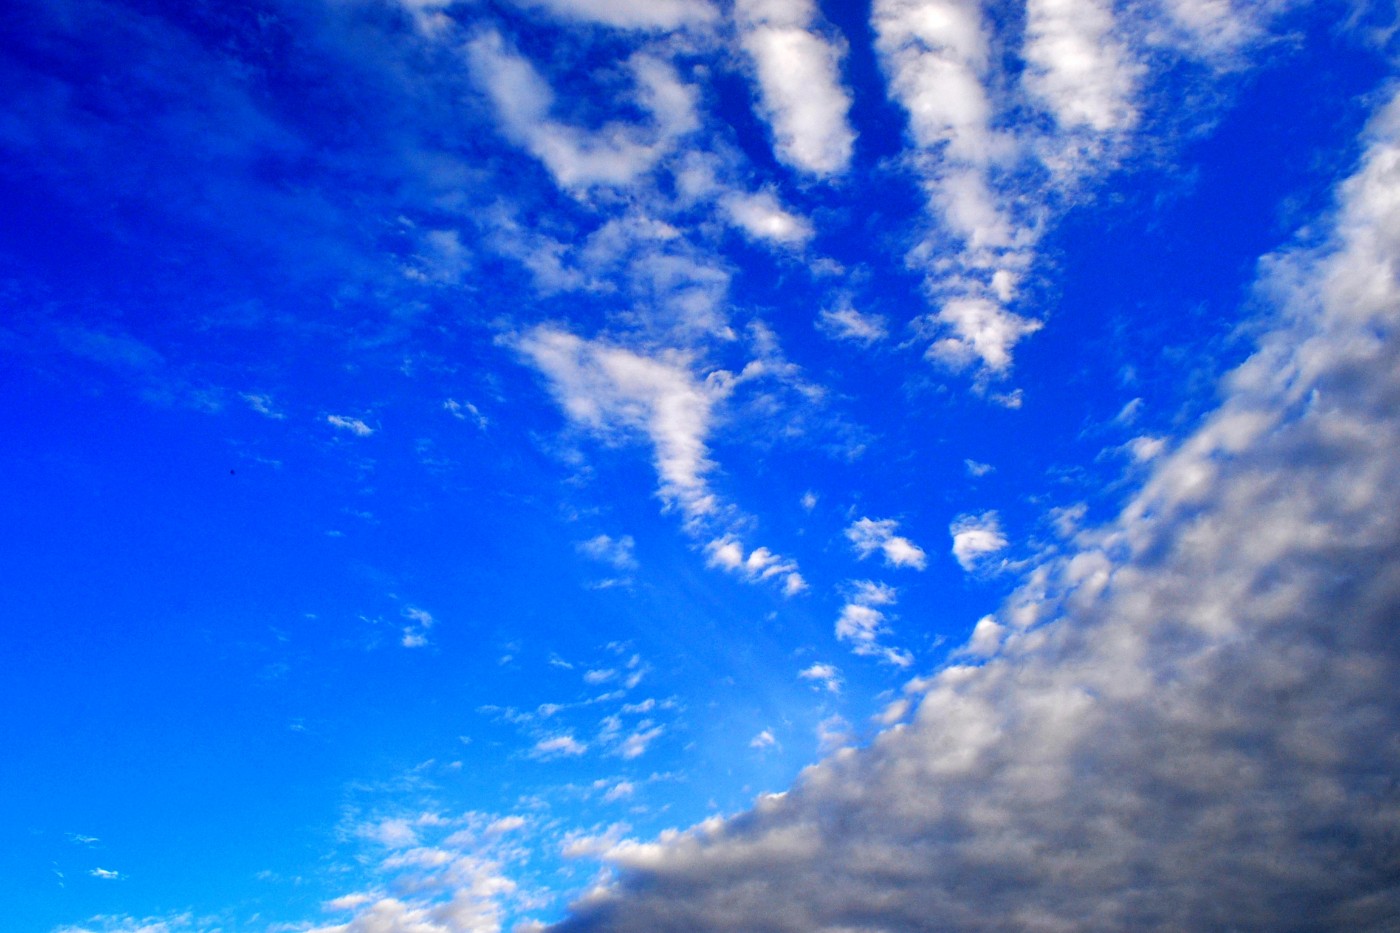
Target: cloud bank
point(1188, 722)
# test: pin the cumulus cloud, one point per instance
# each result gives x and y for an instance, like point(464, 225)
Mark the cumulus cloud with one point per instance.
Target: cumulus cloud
point(979, 331)
point(1189, 722)
point(727, 553)
point(868, 535)
point(799, 83)
point(976, 537)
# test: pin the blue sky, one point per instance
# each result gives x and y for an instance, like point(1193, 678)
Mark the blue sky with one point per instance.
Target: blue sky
point(469, 459)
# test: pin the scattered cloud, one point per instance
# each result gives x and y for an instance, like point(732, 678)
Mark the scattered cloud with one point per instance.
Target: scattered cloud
point(975, 538)
point(354, 425)
point(415, 633)
point(760, 564)
point(466, 411)
point(558, 746)
point(763, 740)
point(869, 535)
point(617, 552)
point(976, 469)
point(761, 217)
point(862, 622)
point(826, 676)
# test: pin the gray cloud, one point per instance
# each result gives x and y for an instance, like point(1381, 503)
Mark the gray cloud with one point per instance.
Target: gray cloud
point(1190, 722)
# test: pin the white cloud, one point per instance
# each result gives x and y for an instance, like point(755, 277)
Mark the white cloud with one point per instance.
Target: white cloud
point(178, 923)
point(975, 537)
point(630, 14)
point(611, 390)
point(869, 535)
point(727, 553)
point(505, 824)
point(464, 411)
point(105, 874)
point(832, 732)
point(986, 637)
point(619, 791)
point(761, 217)
point(614, 155)
point(558, 746)
point(263, 405)
point(354, 425)
point(636, 742)
point(978, 330)
point(764, 739)
point(977, 469)
point(846, 323)
point(610, 550)
point(799, 84)
point(826, 676)
point(1194, 733)
point(415, 634)
point(1078, 67)
point(862, 624)
point(428, 16)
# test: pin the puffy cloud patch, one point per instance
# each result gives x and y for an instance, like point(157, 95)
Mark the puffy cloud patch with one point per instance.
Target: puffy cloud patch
point(975, 538)
point(760, 564)
point(827, 676)
point(868, 535)
point(862, 623)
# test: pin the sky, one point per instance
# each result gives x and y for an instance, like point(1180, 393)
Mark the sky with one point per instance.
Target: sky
point(645, 465)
